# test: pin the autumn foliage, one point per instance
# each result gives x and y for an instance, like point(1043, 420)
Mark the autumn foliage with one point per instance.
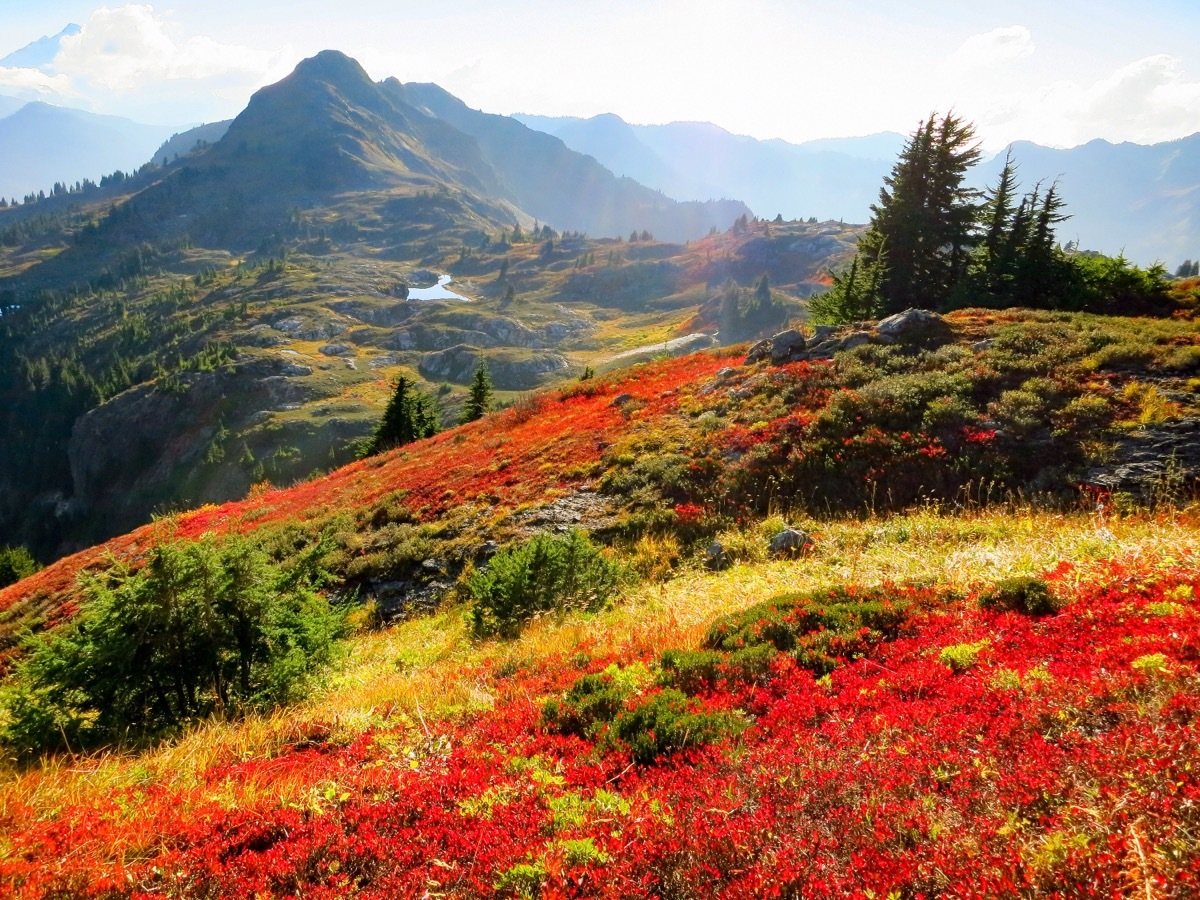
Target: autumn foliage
point(1058, 762)
point(979, 729)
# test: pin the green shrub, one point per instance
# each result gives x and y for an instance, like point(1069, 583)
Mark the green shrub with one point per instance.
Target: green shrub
point(522, 880)
point(697, 671)
point(960, 657)
point(546, 573)
point(1030, 596)
point(582, 852)
point(594, 700)
point(205, 627)
point(819, 629)
point(670, 721)
point(602, 706)
point(15, 564)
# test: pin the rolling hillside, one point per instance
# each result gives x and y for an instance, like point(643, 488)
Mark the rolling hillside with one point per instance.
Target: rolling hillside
point(236, 316)
point(976, 694)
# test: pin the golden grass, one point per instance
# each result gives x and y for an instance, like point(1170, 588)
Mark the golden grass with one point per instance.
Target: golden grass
point(408, 677)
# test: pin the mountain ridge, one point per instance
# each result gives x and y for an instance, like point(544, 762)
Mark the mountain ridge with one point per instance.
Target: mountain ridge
point(1140, 199)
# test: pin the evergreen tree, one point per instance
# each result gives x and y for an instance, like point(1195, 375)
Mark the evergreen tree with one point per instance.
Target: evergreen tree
point(15, 564)
point(996, 246)
point(479, 401)
point(854, 295)
point(762, 291)
point(926, 218)
point(410, 416)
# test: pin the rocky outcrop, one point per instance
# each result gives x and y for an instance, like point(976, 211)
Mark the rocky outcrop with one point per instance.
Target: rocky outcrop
point(1157, 462)
point(304, 329)
point(826, 341)
point(415, 331)
point(582, 509)
point(509, 371)
point(790, 542)
point(385, 315)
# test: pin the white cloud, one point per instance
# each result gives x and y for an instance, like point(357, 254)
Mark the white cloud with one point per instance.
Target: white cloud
point(131, 61)
point(124, 49)
point(992, 48)
point(34, 84)
point(1145, 101)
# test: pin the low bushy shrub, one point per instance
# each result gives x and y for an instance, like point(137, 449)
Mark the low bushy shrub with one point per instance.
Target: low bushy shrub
point(594, 700)
point(204, 627)
point(960, 657)
point(545, 574)
point(605, 707)
point(699, 671)
point(670, 721)
point(1030, 596)
point(819, 629)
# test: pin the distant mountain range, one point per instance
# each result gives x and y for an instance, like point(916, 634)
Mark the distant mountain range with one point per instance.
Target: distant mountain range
point(41, 52)
point(834, 179)
point(43, 144)
point(1140, 200)
point(328, 127)
point(1143, 201)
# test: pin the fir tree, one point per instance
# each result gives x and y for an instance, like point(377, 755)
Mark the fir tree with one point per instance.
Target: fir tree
point(854, 295)
point(926, 218)
point(479, 401)
point(410, 416)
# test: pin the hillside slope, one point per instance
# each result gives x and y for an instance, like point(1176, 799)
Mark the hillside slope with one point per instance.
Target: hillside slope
point(978, 406)
point(885, 711)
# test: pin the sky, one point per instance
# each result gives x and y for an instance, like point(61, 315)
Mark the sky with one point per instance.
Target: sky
point(1059, 74)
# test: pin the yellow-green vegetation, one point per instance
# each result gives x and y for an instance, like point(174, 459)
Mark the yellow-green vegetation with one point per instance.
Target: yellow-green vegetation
point(427, 669)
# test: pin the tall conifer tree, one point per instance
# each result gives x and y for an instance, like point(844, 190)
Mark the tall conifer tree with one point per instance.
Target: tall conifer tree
point(479, 402)
point(410, 416)
point(924, 225)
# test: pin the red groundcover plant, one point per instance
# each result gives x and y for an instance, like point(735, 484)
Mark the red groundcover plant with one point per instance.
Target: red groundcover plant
point(976, 752)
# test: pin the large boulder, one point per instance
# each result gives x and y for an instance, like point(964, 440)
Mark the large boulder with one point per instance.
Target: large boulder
point(908, 322)
point(786, 345)
point(790, 542)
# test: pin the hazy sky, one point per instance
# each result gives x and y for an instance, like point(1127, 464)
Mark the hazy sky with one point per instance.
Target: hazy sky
point(1057, 73)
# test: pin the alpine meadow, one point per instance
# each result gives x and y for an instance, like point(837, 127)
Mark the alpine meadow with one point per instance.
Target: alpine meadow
point(402, 500)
